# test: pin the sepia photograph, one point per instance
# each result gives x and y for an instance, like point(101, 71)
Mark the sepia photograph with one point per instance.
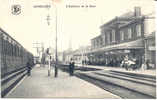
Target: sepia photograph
point(78, 49)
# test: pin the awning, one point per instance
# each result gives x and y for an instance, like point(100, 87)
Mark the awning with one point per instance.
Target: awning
point(137, 44)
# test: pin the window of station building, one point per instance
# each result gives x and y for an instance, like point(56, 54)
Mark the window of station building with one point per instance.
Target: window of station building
point(103, 39)
point(93, 43)
point(97, 42)
point(129, 33)
point(108, 37)
point(138, 30)
point(113, 35)
point(121, 35)
point(103, 31)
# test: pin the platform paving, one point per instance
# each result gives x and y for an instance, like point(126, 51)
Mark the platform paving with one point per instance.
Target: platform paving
point(39, 85)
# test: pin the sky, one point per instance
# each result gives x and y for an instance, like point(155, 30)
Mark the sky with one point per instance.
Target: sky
point(75, 26)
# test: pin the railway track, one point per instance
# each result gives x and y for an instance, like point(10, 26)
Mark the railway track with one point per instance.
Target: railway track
point(127, 86)
point(122, 87)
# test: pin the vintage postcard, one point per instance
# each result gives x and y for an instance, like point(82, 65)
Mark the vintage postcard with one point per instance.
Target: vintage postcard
point(81, 49)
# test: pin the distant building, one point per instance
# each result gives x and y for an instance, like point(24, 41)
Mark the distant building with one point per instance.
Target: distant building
point(67, 55)
point(60, 57)
point(37, 60)
point(79, 55)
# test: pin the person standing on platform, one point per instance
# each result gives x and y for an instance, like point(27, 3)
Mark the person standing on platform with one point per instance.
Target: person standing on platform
point(28, 68)
point(71, 67)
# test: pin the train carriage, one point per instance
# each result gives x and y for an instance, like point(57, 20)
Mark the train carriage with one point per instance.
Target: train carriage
point(13, 55)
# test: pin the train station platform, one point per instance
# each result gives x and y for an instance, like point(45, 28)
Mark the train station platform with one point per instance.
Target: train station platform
point(150, 72)
point(40, 85)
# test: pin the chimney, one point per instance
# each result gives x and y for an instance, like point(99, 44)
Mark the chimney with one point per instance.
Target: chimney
point(137, 11)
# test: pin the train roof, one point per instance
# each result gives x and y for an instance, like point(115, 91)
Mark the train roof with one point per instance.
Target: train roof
point(17, 43)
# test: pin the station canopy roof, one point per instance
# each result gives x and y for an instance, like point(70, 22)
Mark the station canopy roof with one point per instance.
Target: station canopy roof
point(137, 44)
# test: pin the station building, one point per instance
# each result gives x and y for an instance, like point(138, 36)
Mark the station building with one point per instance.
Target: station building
point(121, 36)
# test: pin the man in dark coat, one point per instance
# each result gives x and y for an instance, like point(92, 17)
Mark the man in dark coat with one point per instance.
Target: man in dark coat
point(28, 68)
point(71, 67)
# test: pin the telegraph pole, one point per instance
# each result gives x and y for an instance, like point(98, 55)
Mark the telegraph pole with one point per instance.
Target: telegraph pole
point(37, 47)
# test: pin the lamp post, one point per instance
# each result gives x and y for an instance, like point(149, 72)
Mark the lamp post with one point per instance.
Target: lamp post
point(56, 56)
